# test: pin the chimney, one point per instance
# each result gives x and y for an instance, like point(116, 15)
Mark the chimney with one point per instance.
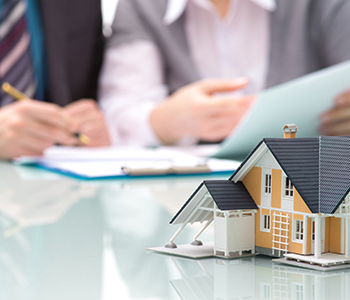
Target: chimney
point(290, 131)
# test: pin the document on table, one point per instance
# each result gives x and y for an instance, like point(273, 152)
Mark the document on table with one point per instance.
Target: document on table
point(299, 101)
point(105, 162)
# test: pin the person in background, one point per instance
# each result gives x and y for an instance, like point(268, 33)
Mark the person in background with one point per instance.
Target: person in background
point(51, 51)
point(184, 71)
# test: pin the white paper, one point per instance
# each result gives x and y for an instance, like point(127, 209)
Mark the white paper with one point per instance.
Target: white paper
point(109, 161)
point(300, 101)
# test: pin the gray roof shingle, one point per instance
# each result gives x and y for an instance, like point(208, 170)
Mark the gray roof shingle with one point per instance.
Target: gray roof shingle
point(229, 195)
point(226, 194)
point(319, 168)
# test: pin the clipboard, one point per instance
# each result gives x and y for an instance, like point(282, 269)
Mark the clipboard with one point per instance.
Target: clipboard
point(127, 162)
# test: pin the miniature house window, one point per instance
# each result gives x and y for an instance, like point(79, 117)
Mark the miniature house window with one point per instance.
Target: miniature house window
point(299, 230)
point(288, 188)
point(267, 185)
point(265, 223)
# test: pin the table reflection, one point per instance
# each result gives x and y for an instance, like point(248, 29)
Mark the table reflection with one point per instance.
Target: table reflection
point(256, 278)
point(68, 239)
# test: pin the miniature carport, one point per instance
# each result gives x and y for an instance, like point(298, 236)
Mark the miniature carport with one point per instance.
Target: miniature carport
point(231, 208)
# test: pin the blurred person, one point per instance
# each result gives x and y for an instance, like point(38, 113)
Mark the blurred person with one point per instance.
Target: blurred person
point(51, 51)
point(171, 65)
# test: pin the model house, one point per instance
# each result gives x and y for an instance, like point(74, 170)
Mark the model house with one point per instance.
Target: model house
point(289, 198)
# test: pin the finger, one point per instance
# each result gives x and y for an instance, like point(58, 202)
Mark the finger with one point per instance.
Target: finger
point(211, 86)
point(34, 145)
point(89, 120)
point(217, 134)
point(47, 113)
point(49, 134)
point(343, 99)
point(222, 107)
point(335, 115)
point(341, 128)
point(81, 107)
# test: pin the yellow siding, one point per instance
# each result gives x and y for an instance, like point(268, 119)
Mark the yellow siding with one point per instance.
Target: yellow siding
point(334, 235)
point(262, 239)
point(299, 204)
point(298, 217)
point(276, 188)
point(308, 236)
point(265, 211)
point(252, 182)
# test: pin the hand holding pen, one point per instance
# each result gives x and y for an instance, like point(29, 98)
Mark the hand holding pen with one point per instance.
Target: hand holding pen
point(29, 127)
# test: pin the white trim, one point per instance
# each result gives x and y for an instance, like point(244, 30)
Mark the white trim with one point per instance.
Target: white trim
point(266, 184)
point(250, 163)
point(318, 232)
point(262, 222)
point(192, 206)
point(287, 202)
point(302, 232)
point(305, 236)
point(342, 236)
point(347, 238)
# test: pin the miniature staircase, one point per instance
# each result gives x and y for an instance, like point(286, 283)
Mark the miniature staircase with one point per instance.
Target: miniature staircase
point(280, 283)
point(280, 233)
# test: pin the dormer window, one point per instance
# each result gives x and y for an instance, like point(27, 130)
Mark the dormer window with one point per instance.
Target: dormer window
point(288, 188)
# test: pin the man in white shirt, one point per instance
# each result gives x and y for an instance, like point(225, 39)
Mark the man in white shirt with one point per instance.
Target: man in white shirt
point(163, 48)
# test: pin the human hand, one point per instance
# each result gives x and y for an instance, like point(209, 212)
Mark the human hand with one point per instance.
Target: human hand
point(28, 127)
point(194, 111)
point(336, 121)
point(90, 121)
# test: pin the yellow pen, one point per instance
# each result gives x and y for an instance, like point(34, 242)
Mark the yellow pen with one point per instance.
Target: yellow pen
point(17, 95)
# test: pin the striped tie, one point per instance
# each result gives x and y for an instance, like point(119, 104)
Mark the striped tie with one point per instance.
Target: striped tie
point(15, 57)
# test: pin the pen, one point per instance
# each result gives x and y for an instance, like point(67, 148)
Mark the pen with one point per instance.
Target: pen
point(17, 95)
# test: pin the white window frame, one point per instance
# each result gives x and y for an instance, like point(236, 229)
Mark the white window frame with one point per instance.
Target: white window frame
point(267, 182)
point(298, 231)
point(265, 220)
point(288, 188)
point(287, 202)
point(266, 196)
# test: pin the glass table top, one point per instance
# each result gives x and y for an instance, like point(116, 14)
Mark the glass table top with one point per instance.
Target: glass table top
point(63, 238)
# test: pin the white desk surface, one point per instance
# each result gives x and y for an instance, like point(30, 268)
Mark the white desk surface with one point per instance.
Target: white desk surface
point(68, 239)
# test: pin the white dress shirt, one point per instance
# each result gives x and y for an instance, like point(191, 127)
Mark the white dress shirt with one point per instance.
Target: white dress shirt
point(221, 48)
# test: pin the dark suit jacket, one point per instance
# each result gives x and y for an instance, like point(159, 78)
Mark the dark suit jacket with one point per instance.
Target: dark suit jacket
point(74, 47)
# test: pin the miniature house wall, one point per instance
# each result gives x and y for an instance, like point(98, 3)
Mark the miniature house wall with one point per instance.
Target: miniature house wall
point(228, 240)
point(288, 197)
point(284, 222)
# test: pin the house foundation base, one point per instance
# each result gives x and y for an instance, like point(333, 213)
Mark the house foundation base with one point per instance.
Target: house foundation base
point(268, 252)
point(191, 251)
point(327, 261)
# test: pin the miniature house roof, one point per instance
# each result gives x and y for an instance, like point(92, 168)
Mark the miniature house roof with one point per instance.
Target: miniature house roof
point(319, 168)
point(225, 193)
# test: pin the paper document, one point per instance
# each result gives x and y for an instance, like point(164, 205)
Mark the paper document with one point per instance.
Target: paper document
point(300, 101)
point(108, 162)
